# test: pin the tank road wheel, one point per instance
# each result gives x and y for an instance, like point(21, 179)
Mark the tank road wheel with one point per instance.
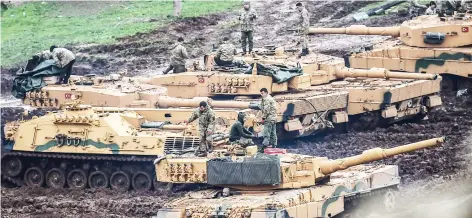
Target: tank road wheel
point(120, 181)
point(448, 84)
point(77, 179)
point(141, 181)
point(11, 166)
point(98, 179)
point(56, 178)
point(34, 177)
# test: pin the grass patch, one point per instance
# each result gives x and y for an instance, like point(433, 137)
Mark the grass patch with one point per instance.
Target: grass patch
point(34, 26)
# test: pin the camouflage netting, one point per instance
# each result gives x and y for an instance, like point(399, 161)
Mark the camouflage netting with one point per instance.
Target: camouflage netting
point(258, 170)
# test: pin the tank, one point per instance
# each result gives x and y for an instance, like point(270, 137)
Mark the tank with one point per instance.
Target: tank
point(426, 44)
point(114, 91)
point(326, 96)
point(81, 146)
point(291, 185)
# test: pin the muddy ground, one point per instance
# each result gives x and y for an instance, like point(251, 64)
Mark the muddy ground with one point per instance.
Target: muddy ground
point(436, 170)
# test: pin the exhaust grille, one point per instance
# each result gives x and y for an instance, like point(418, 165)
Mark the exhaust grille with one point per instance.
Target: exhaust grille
point(178, 145)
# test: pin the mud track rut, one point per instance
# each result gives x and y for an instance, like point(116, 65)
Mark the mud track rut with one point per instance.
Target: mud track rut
point(146, 52)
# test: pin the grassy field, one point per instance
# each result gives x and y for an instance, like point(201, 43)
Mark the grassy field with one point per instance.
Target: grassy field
point(35, 26)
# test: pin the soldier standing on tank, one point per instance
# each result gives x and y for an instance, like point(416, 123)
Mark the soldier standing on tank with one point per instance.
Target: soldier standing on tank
point(225, 54)
point(178, 56)
point(240, 135)
point(64, 59)
point(303, 26)
point(269, 119)
point(206, 126)
point(246, 19)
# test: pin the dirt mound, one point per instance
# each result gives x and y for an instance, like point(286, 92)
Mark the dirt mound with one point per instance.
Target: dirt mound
point(85, 203)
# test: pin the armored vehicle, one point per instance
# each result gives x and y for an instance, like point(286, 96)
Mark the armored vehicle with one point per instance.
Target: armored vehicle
point(427, 44)
point(279, 184)
point(112, 91)
point(327, 94)
point(81, 146)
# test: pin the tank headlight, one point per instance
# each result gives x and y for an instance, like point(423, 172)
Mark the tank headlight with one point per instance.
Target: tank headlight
point(247, 214)
point(188, 213)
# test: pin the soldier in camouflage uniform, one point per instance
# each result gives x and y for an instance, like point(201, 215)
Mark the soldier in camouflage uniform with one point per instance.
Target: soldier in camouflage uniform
point(42, 56)
point(240, 135)
point(64, 59)
point(246, 19)
point(303, 26)
point(206, 126)
point(225, 54)
point(178, 57)
point(269, 118)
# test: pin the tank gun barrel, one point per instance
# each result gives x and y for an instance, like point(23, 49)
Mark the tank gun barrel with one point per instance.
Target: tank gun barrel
point(344, 72)
point(358, 30)
point(331, 166)
point(167, 102)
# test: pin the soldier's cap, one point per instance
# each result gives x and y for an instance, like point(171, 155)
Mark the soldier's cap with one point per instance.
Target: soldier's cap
point(225, 38)
point(299, 4)
point(246, 2)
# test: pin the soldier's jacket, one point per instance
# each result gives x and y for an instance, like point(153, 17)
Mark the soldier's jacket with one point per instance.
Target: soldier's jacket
point(44, 55)
point(269, 108)
point(178, 55)
point(206, 119)
point(226, 52)
point(246, 19)
point(304, 20)
point(62, 56)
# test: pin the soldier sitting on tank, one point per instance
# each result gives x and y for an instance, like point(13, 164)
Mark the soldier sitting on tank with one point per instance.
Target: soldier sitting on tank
point(432, 9)
point(178, 56)
point(240, 135)
point(225, 54)
point(206, 126)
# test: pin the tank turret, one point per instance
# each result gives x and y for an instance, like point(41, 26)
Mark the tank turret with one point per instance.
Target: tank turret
point(281, 171)
point(429, 31)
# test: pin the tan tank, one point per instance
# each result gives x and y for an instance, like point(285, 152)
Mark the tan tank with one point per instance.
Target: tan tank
point(82, 146)
point(279, 185)
point(117, 92)
point(326, 95)
point(427, 44)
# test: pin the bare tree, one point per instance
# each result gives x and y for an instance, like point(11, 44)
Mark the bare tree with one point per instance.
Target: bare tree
point(177, 7)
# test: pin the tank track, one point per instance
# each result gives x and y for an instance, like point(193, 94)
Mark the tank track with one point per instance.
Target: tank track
point(122, 159)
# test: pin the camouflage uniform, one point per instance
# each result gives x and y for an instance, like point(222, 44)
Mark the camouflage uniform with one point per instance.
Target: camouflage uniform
point(414, 8)
point(44, 55)
point(269, 115)
point(64, 59)
point(225, 54)
point(206, 123)
point(240, 135)
point(178, 56)
point(303, 26)
point(246, 19)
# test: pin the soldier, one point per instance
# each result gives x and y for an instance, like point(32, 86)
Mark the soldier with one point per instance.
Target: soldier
point(240, 135)
point(246, 19)
point(225, 53)
point(206, 126)
point(42, 56)
point(414, 8)
point(269, 118)
point(432, 9)
point(64, 59)
point(303, 26)
point(178, 56)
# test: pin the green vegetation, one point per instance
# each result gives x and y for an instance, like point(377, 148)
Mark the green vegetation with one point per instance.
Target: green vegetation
point(34, 26)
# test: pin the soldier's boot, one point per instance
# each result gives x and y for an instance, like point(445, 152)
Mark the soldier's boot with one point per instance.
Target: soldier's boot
point(168, 69)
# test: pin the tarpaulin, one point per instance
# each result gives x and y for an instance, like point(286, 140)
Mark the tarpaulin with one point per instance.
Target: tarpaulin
point(26, 81)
